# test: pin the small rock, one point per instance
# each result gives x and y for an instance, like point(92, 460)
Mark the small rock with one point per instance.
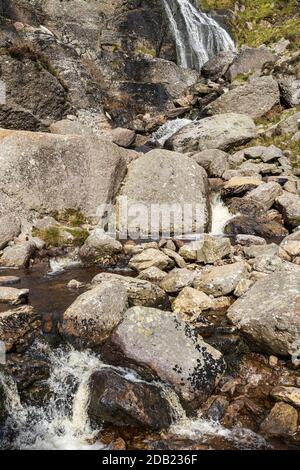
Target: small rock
point(152, 274)
point(13, 296)
point(99, 247)
point(9, 280)
point(176, 280)
point(149, 258)
point(221, 280)
point(281, 421)
point(289, 395)
point(191, 302)
point(122, 137)
point(74, 284)
point(18, 328)
point(238, 186)
point(18, 255)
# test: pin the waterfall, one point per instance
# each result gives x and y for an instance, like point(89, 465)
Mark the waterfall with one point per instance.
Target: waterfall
point(198, 36)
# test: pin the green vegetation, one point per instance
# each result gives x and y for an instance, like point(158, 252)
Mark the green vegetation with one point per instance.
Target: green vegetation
point(72, 217)
point(56, 236)
point(146, 51)
point(283, 142)
point(262, 22)
point(51, 236)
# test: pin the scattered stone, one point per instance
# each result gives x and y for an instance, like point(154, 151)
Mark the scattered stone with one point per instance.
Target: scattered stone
point(18, 328)
point(74, 284)
point(208, 250)
point(289, 395)
point(281, 421)
point(191, 303)
point(176, 280)
point(122, 137)
point(18, 255)
point(159, 343)
point(100, 247)
point(149, 258)
point(289, 205)
point(214, 161)
point(152, 274)
point(222, 132)
point(174, 256)
point(120, 401)
point(238, 186)
point(221, 280)
point(268, 312)
point(90, 320)
point(139, 292)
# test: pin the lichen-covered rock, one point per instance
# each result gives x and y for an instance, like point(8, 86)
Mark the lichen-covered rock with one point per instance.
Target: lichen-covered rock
point(19, 327)
point(268, 313)
point(90, 320)
point(255, 98)
point(289, 395)
point(140, 292)
point(217, 132)
point(120, 401)
point(99, 247)
point(166, 194)
point(221, 280)
point(159, 344)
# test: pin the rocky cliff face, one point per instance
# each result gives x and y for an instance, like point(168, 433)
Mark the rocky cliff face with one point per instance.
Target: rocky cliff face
point(102, 61)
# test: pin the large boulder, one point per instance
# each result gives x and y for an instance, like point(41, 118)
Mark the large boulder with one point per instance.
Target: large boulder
point(117, 400)
point(218, 65)
point(91, 318)
point(268, 313)
point(140, 292)
point(167, 184)
point(255, 98)
point(222, 132)
point(159, 344)
point(250, 60)
point(44, 173)
point(19, 327)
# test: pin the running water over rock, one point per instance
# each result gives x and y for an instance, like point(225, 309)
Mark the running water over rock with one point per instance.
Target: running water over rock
point(198, 36)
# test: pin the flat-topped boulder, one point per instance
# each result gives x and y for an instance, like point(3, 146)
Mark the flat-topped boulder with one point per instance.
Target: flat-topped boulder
point(222, 132)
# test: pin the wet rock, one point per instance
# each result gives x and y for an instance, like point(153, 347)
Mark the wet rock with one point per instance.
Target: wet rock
point(122, 402)
point(290, 89)
point(160, 344)
point(289, 205)
point(265, 195)
point(19, 327)
point(281, 422)
point(269, 230)
point(10, 228)
point(218, 65)
point(268, 312)
point(152, 274)
point(13, 296)
point(18, 255)
point(250, 60)
point(217, 132)
point(95, 166)
point(176, 280)
point(9, 280)
point(238, 186)
point(214, 161)
point(122, 137)
point(289, 395)
point(100, 247)
point(191, 303)
point(255, 98)
point(90, 320)
point(221, 280)
point(139, 292)
point(165, 182)
point(209, 249)
point(150, 258)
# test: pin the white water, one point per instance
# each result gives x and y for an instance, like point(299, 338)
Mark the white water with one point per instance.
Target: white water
point(220, 215)
point(168, 129)
point(198, 36)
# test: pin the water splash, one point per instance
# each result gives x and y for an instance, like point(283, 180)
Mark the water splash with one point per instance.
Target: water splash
point(220, 215)
point(198, 36)
point(168, 129)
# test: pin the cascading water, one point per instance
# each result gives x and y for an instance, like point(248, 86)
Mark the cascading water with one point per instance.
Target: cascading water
point(198, 36)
